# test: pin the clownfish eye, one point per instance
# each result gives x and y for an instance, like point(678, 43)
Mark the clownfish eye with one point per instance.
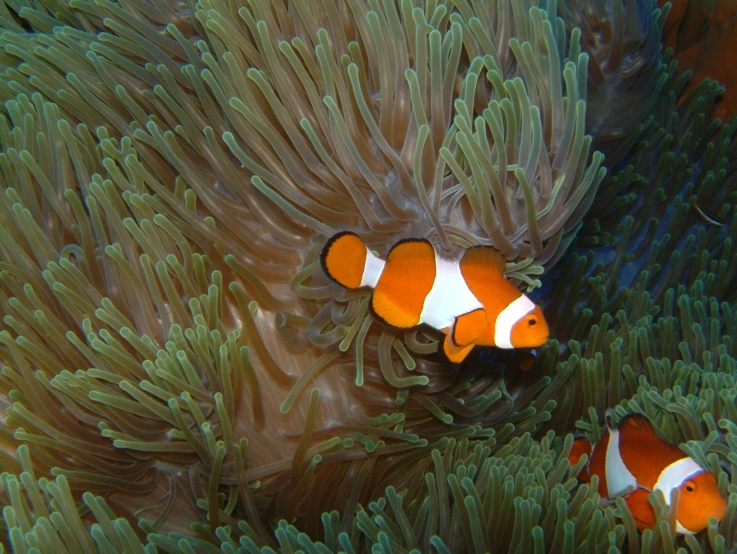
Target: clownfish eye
point(532, 321)
point(690, 487)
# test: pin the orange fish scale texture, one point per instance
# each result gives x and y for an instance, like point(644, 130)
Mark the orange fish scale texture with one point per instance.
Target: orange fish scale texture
point(482, 269)
point(597, 465)
point(406, 281)
point(580, 447)
point(646, 469)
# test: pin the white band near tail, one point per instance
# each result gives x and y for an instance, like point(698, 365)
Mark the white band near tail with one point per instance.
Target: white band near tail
point(506, 319)
point(371, 270)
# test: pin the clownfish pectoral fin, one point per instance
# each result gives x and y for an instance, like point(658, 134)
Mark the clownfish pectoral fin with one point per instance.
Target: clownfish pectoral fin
point(625, 492)
point(468, 327)
point(344, 258)
point(641, 509)
point(455, 353)
point(528, 361)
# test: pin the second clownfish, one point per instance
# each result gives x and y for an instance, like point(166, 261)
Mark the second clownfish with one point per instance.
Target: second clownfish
point(632, 461)
point(469, 300)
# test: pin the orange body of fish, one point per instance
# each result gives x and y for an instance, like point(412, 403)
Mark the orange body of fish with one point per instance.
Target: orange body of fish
point(469, 300)
point(631, 457)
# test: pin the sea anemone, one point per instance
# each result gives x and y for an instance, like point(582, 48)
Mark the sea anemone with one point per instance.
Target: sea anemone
point(626, 72)
point(179, 375)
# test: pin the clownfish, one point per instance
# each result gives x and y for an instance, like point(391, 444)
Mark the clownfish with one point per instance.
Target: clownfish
point(631, 457)
point(468, 300)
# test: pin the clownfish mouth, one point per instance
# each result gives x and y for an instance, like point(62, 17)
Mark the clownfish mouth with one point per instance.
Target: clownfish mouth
point(716, 509)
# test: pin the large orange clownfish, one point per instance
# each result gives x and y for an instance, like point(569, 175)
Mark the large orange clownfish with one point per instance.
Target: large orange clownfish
point(468, 300)
point(631, 457)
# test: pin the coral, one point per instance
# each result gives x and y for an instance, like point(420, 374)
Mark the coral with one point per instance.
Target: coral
point(177, 374)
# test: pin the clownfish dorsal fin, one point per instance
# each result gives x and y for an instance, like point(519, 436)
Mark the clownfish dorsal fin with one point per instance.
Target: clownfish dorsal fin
point(637, 426)
point(455, 353)
point(409, 251)
point(468, 327)
point(406, 279)
point(581, 446)
point(485, 257)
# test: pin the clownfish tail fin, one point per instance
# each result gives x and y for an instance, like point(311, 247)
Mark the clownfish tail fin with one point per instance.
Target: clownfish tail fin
point(343, 259)
point(581, 446)
point(347, 261)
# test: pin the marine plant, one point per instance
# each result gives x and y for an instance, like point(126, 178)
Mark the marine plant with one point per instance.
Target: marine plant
point(179, 377)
